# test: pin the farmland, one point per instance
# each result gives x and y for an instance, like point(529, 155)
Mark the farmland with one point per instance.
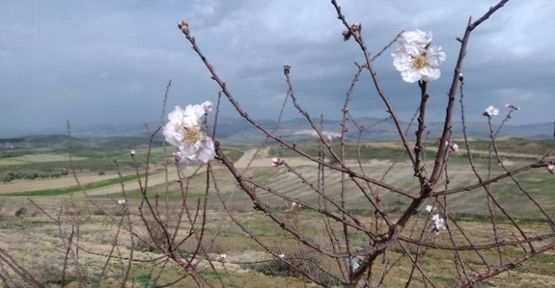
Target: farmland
point(91, 203)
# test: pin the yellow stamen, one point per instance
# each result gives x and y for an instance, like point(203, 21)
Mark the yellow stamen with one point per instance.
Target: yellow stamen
point(419, 61)
point(192, 135)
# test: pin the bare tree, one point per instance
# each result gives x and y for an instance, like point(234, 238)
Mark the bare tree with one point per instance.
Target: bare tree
point(343, 245)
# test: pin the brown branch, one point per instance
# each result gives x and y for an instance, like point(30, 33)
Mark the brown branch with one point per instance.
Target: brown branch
point(506, 267)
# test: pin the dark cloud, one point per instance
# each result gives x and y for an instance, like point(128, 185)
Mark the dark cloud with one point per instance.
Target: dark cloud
point(99, 62)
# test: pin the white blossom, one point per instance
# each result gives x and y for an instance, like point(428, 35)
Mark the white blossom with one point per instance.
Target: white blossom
point(184, 131)
point(222, 258)
point(295, 205)
point(439, 223)
point(328, 137)
point(551, 168)
point(282, 256)
point(491, 111)
point(430, 208)
point(355, 264)
point(132, 153)
point(415, 37)
point(122, 202)
point(276, 162)
point(454, 147)
point(207, 106)
point(416, 59)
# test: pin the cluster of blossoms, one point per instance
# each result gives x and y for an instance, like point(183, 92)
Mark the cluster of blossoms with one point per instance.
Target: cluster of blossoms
point(491, 111)
point(355, 263)
point(439, 223)
point(295, 206)
point(415, 58)
point(184, 131)
point(222, 258)
point(437, 220)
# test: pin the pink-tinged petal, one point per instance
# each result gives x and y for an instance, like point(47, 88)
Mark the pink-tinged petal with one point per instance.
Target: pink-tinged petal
point(176, 115)
point(190, 122)
point(187, 151)
point(170, 135)
point(207, 106)
point(207, 151)
point(194, 111)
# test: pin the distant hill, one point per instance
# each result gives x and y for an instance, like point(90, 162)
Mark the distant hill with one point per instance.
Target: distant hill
point(239, 131)
point(58, 143)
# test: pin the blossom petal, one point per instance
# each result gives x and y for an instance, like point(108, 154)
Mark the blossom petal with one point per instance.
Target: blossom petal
point(429, 74)
point(207, 150)
point(411, 76)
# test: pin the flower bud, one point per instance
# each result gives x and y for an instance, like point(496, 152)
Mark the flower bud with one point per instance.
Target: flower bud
point(183, 26)
point(356, 27)
point(286, 69)
point(346, 35)
point(276, 162)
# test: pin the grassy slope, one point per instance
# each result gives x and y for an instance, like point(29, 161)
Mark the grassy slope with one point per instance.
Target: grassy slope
point(468, 208)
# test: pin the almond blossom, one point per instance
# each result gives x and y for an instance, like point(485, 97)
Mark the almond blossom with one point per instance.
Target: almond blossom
point(491, 111)
point(122, 202)
point(454, 147)
point(207, 106)
point(430, 208)
point(276, 161)
point(184, 131)
point(415, 58)
point(551, 168)
point(439, 223)
point(222, 258)
point(355, 263)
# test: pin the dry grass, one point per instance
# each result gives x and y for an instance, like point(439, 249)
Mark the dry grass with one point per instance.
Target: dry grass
point(36, 242)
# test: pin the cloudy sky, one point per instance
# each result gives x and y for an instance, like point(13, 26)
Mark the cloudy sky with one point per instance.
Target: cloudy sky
point(108, 62)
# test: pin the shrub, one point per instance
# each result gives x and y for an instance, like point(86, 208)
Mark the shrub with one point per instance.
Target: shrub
point(303, 262)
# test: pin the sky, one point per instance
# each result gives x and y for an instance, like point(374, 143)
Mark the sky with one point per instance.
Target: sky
point(108, 62)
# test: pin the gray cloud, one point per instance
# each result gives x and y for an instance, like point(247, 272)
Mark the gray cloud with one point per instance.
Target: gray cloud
point(109, 61)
